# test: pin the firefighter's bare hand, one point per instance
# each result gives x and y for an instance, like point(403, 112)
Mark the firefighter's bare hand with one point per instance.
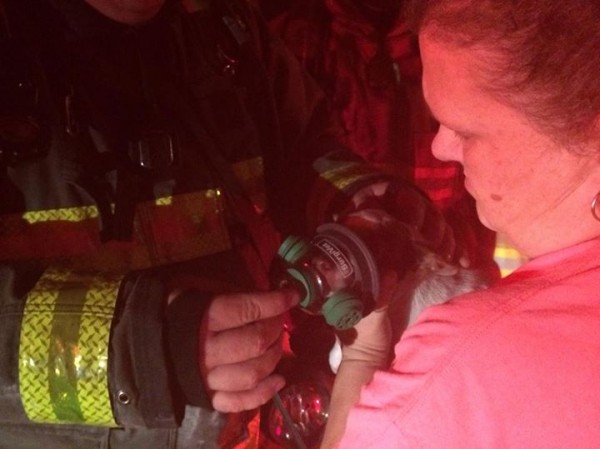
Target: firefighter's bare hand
point(240, 346)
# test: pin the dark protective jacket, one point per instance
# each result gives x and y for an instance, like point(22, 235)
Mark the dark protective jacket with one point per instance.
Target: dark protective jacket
point(185, 146)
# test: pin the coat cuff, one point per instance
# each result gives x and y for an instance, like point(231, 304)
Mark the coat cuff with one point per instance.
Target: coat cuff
point(140, 380)
point(183, 321)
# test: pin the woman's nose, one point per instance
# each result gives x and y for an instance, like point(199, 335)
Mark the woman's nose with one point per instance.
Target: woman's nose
point(447, 145)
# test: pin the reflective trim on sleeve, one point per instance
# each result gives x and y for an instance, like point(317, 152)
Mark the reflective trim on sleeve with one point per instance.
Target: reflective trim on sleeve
point(63, 355)
point(36, 331)
point(346, 175)
point(337, 181)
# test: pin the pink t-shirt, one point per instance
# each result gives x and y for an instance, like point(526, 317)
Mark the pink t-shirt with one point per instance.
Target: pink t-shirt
point(514, 366)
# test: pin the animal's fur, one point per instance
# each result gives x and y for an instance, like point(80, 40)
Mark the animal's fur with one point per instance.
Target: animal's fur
point(435, 282)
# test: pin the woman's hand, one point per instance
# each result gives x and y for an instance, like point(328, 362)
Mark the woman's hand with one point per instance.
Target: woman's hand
point(365, 349)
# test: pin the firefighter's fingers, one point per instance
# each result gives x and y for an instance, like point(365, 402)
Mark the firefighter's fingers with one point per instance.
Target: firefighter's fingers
point(245, 385)
point(228, 311)
point(241, 343)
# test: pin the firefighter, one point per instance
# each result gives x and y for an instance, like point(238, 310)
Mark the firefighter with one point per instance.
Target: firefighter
point(152, 155)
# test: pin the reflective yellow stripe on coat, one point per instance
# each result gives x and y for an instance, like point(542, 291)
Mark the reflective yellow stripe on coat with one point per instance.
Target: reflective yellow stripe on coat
point(63, 353)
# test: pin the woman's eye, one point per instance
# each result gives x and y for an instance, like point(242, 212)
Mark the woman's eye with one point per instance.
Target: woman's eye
point(461, 135)
point(464, 137)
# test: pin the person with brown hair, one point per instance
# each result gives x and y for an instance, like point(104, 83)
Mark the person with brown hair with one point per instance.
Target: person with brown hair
point(514, 86)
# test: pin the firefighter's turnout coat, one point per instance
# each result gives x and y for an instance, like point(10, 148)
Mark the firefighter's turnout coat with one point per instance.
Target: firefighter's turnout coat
point(186, 146)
